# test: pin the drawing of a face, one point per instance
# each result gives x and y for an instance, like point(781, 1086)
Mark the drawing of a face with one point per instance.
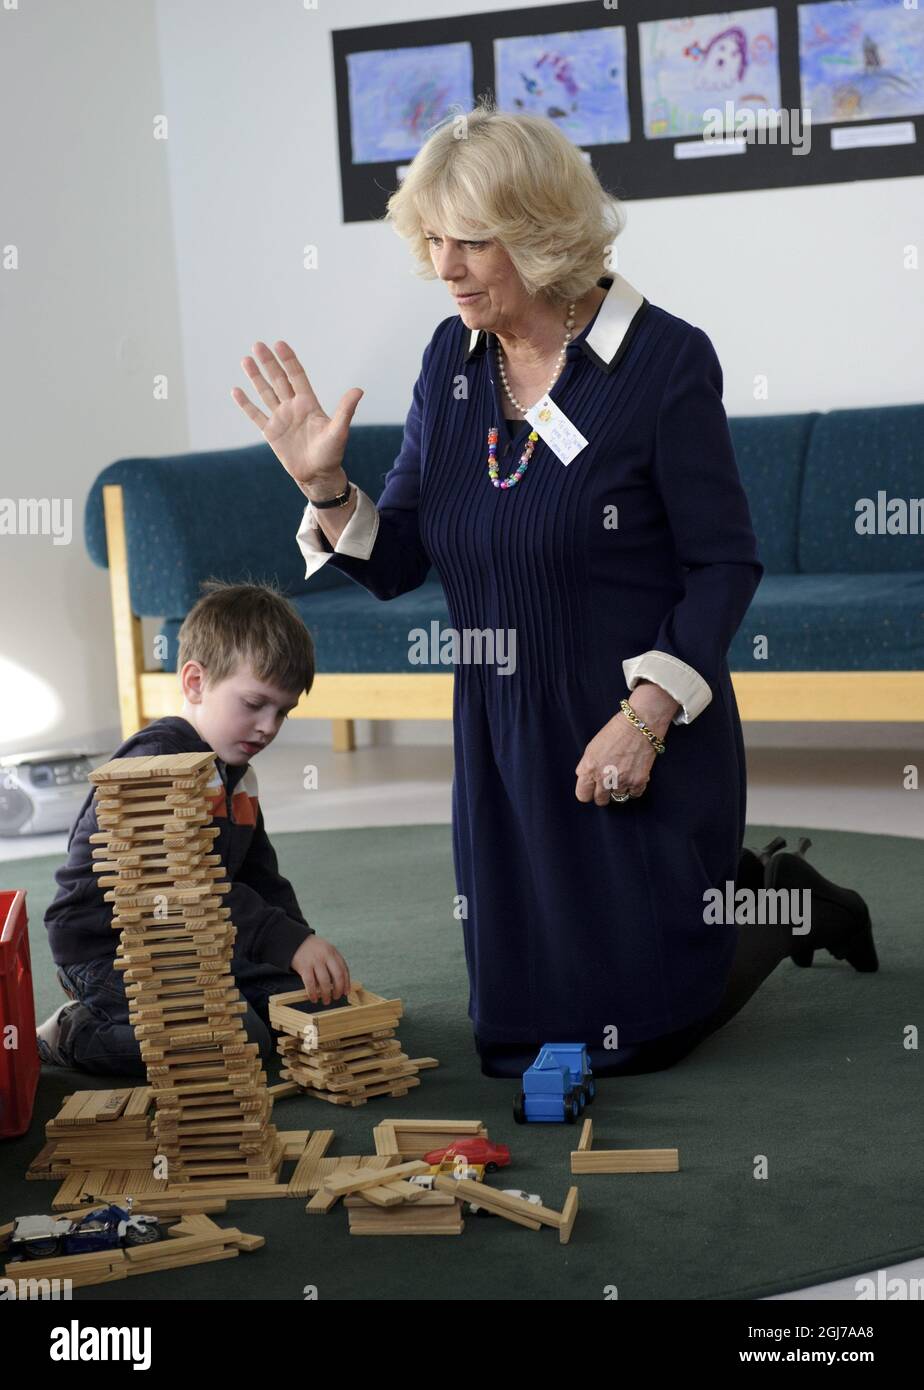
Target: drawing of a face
point(724, 62)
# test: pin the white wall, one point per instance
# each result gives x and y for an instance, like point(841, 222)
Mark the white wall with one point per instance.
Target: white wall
point(192, 248)
point(88, 318)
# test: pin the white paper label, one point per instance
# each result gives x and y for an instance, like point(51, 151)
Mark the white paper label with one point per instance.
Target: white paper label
point(555, 429)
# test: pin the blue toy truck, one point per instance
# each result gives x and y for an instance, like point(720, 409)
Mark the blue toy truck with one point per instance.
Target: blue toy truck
point(557, 1086)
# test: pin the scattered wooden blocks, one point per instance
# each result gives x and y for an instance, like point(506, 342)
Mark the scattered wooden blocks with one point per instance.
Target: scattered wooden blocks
point(382, 1202)
point(345, 1055)
point(585, 1159)
point(512, 1208)
point(360, 1178)
point(194, 1240)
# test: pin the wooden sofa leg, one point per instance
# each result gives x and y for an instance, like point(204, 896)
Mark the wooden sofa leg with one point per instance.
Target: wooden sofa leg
point(344, 732)
point(126, 625)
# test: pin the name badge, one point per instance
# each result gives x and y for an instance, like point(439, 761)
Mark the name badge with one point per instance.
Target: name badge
point(554, 427)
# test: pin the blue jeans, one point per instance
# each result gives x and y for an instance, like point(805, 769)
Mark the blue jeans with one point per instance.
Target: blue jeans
point(99, 1037)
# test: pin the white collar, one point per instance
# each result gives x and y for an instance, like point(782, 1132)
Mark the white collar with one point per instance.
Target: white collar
point(611, 332)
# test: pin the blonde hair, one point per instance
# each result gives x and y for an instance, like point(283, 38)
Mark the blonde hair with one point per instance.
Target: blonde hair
point(253, 623)
point(516, 179)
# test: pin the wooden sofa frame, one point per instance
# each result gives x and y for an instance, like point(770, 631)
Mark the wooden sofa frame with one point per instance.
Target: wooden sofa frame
point(814, 696)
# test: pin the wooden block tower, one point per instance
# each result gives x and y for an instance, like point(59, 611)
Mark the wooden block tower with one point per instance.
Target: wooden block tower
point(213, 1110)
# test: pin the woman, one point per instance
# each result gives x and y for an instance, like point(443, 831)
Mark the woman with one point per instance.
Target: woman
point(615, 556)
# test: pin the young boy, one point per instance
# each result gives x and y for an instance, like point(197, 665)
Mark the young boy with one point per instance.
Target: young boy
point(245, 656)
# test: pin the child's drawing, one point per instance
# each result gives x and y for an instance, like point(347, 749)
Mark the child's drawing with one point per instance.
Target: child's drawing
point(861, 59)
point(692, 65)
point(576, 79)
point(398, 95)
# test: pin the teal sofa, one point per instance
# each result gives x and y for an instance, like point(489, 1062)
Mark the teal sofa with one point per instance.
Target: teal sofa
point(843, 613)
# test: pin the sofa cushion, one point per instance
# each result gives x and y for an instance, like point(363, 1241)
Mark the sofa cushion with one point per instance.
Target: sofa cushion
point(835, 622)
point(354, 632)
point(224, 514)
point(770, 450)
point(854, 454)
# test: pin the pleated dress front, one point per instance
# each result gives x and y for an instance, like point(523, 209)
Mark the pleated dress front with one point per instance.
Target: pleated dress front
point(578, 920)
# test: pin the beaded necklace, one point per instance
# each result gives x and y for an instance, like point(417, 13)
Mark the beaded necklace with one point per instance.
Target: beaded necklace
point(513, 478)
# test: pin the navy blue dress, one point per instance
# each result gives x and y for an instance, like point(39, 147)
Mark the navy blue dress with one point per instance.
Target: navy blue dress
point(581, 918)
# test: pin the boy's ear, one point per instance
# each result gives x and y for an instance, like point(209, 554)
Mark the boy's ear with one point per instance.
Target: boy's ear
point(192, 679)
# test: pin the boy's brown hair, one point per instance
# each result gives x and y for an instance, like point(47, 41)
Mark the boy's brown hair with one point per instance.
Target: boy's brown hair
point(255, 623)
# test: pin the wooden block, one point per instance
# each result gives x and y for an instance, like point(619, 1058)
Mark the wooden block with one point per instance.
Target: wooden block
point(66, 1266)
point(323, 1201)
point(359, 1178)
point(382, 1195)
point(568, 1214)
point(384, 1136)
point(502, 1203)
point(283, 1089)
point(393, 1193)
point(150, 1254)
point(186, 1258)
point(625, 1161)
point(360, 1226)
point(435, 1213)
point(69, 1192)
point(414, 1138)
point(396, 1088)
point(400, 1229)
point(301, 1181)
point(42, 1160)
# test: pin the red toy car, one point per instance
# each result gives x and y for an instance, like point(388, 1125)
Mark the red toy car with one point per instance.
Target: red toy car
point(493, 1156)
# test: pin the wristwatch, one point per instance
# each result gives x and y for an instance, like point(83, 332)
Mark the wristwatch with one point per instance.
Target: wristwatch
point(340, 500)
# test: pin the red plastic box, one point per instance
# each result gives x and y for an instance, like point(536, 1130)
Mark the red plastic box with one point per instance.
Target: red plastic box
point(20, 1065)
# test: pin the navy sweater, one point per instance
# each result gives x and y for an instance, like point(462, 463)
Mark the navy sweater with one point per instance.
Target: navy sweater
point(264, 908)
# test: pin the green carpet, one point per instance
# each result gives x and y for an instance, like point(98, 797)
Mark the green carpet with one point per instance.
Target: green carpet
point(812, 1074)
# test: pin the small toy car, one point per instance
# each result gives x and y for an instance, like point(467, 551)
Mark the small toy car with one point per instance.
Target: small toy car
point(104, 1228)
point(477, 1150)
point(557, 1086)
point(533, 1197)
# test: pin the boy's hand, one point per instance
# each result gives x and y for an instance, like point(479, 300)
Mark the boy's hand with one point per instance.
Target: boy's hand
point(323, 970)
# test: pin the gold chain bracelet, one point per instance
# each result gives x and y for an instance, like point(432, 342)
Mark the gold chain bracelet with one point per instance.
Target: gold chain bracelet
point(651, 736)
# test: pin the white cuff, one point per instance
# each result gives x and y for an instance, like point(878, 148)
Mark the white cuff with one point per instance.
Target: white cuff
point(676, 677)
point(357, 538)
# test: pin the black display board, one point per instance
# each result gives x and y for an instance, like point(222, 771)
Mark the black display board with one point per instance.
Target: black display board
point(643, 167)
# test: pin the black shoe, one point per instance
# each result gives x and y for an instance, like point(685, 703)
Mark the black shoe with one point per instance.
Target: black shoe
point(841, 921)
point(751, 864)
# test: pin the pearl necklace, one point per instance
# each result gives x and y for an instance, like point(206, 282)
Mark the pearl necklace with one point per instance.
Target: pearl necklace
point(532, 440)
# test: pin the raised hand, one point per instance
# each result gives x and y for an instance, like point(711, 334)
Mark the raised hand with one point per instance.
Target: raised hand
point(309, 444)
